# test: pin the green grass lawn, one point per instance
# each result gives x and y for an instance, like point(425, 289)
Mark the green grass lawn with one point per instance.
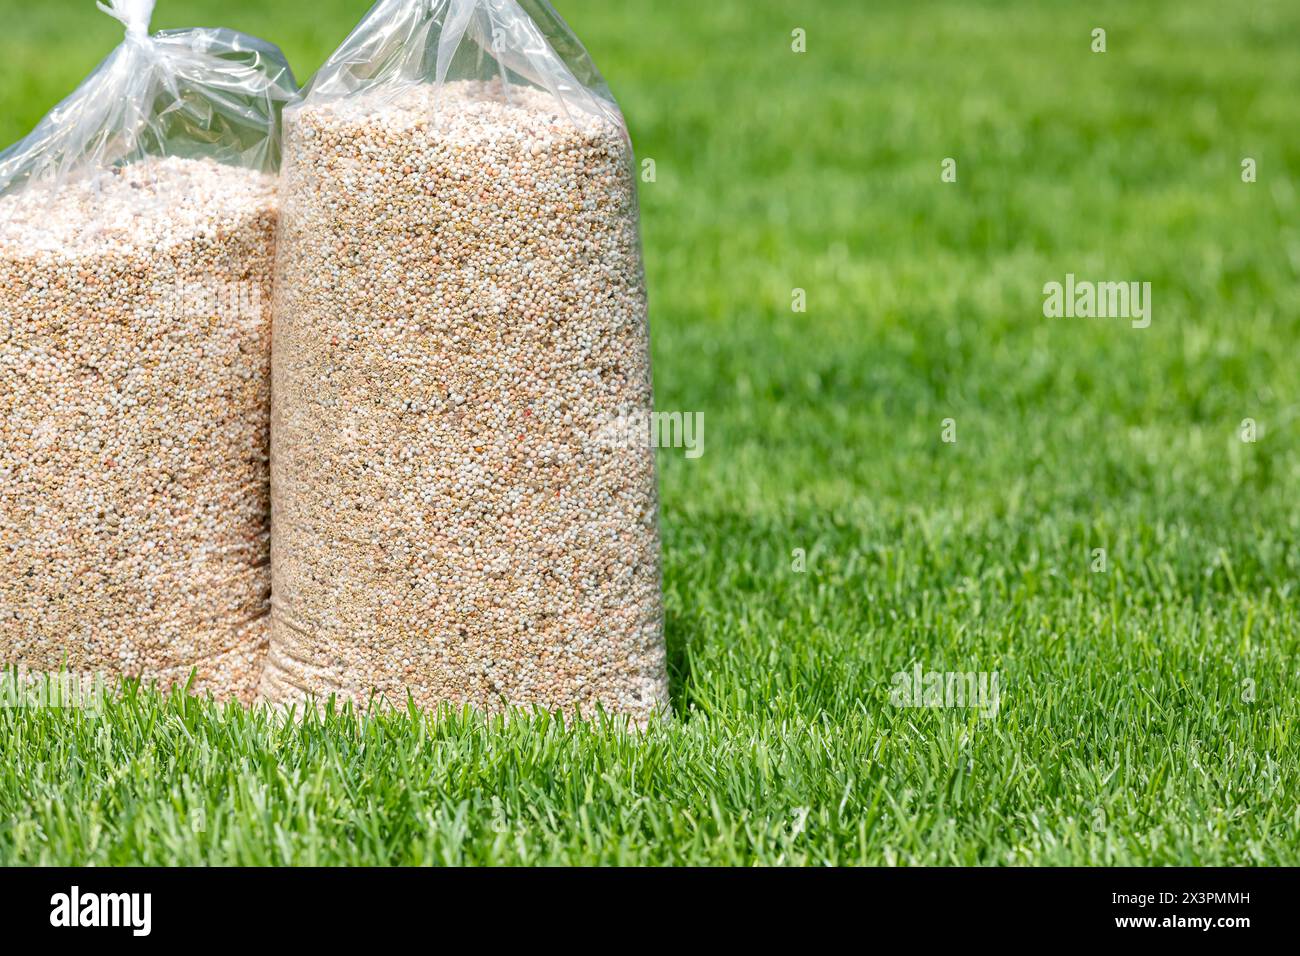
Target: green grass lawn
point(1147, 713)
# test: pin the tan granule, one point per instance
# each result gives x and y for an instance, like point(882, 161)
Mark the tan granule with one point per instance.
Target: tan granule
point(460, 315)
point(134, 413)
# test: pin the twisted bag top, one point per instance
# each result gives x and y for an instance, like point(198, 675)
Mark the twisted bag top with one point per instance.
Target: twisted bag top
point(521, 43)
point(201, 93)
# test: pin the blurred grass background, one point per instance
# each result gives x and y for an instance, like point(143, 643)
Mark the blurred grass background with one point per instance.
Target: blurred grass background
point(1149, 713)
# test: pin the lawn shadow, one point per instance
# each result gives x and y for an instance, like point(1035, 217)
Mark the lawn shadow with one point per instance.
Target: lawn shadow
point(679, 633)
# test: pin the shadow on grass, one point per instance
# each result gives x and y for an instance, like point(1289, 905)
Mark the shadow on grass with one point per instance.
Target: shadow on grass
point(680, 632)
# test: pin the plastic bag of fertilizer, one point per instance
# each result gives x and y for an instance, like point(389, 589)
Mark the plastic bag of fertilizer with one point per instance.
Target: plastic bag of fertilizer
point(460, 330)
point(137, 230)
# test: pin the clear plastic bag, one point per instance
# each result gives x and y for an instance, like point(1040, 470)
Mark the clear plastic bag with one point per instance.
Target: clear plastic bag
point(523, 43)
point(460, 324)
point(137, 235)
point(195, 94)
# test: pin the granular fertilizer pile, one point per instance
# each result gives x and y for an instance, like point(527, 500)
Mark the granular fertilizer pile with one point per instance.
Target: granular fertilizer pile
point(134, 413)
point(460, 318)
